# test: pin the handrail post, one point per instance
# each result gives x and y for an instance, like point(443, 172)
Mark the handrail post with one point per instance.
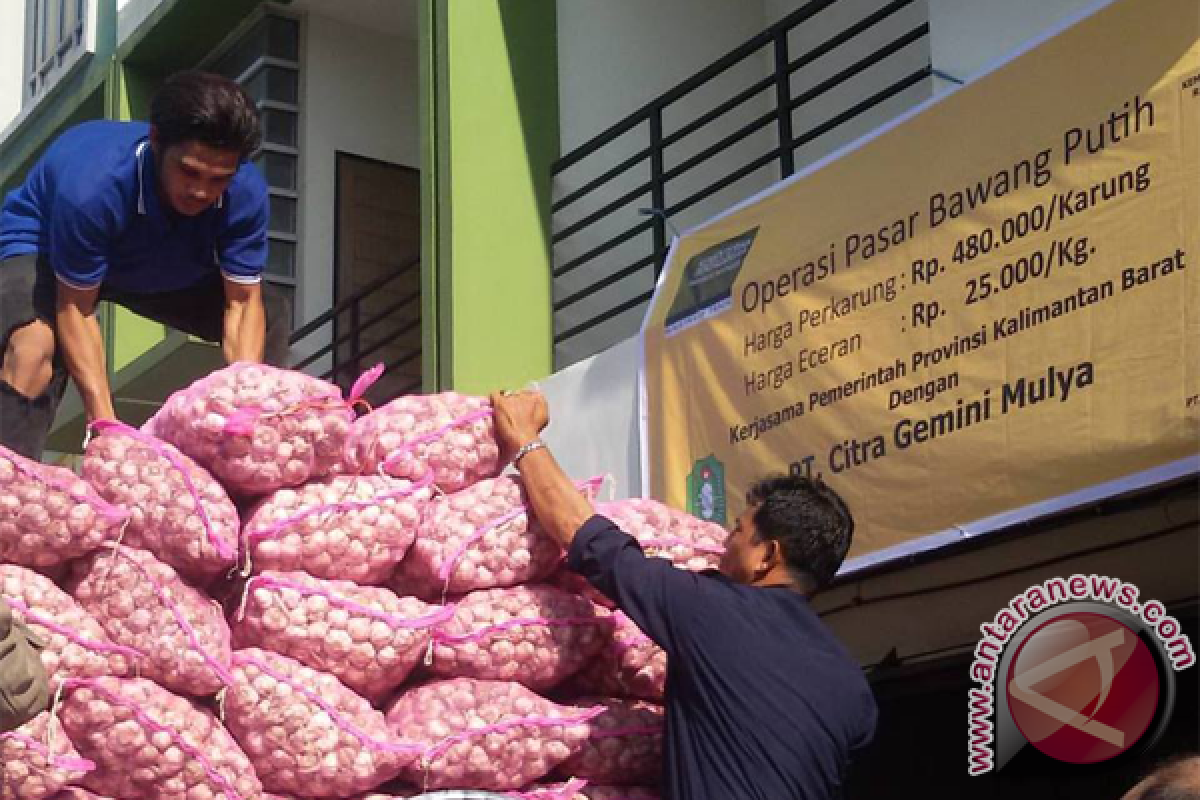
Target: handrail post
point(356, 340)
point(658, 191)
point(783, 104)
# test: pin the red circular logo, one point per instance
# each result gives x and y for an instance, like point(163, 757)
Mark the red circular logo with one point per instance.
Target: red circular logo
point(1083, 688)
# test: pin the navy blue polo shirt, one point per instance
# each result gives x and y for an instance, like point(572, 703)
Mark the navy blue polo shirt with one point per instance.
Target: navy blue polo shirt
point(91, 206)
point(763, 703)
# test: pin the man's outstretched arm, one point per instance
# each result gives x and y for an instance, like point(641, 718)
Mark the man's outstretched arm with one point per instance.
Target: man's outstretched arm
point(558, 505)
point(651, 591)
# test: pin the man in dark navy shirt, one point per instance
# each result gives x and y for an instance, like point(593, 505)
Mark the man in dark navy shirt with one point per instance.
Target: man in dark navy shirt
point(167, 219)
point(762, 701)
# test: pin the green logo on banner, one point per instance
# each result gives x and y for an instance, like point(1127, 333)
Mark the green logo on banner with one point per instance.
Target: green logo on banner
point(706, 490)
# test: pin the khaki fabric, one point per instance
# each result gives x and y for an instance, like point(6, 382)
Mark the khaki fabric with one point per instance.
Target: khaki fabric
point(24, 688)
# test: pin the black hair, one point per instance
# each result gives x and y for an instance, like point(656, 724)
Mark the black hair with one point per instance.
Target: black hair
point(207, 108)
point(809, 520)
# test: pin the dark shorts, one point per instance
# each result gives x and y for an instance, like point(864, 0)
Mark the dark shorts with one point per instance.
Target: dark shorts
point(28, 292)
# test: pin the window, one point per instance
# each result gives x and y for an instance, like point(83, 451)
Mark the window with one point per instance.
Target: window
point(55, 39)
point(265, 59)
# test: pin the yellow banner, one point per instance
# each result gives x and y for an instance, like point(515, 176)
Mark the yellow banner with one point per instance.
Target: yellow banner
point(992, 304)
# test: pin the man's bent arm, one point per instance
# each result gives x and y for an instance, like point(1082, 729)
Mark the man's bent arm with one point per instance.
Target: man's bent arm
point(612, 561)
point(82, 343)
point(245, 327)
point(558, 505)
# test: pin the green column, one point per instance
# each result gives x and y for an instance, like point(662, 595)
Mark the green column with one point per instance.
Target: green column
point(491, 128)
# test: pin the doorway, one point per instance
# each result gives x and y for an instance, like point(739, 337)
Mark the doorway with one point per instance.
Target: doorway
point(377, 251)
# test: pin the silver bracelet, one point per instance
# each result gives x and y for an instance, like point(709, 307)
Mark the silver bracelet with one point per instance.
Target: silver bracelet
point(536, 444)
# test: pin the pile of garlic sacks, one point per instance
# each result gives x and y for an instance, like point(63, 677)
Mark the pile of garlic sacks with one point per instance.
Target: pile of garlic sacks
point(266, 592)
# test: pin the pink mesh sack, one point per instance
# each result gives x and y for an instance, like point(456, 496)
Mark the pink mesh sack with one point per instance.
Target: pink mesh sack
point(485, 734)
point(37, 759)
point(625, 744)
point(367, 637)
point(151, 744)
point(76, 645)
point(77, 793)
point(143, 604)
point(178, 511)
point(307, 733)
point(49, 515)
point(259, 428)
point(684, 540)
point(448, 436)
point(535, 635)
point(630, 665)
point(480, 538)
point(354, 528)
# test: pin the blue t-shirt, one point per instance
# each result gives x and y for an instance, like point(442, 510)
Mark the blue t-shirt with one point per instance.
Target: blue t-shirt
point(91, 205)
point(763, 703)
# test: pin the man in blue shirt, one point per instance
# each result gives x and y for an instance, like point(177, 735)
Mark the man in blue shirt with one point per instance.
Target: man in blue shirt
point(763, 703)
point(167, 219)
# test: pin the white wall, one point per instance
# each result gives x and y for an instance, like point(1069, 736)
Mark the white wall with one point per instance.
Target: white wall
point(604, 389)
point(615, 56)
point(970, 35)
point(359, 95)
point(12, 55)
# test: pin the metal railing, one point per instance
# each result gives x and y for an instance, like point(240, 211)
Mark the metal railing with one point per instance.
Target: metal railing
point(650, 123)
point(358, 336)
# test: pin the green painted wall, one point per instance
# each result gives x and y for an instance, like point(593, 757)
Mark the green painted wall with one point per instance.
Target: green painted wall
point(129, 335)
point(495, 136)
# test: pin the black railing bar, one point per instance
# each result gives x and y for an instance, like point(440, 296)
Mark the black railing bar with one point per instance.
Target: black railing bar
point(602, 212)
point(863, 64)
point(601, 249)
point(849, 33)
point(728, 180)
point(746, 94)
point(351, 335)
point(719, 147)
point(874, 100)
point(344, 304)
point(600, 181)
point(804, 138)
point(385, 341)
point(355, 331)
point(379, 316)
point(796, 64)
point(408, 388)
point(719, 111)
point(605, 317)
point(606, 282)
point(311, 358)
point(404, 358)
point(725, 62)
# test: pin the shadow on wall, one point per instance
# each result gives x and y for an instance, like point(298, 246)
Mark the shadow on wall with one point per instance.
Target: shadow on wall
point(531, 41)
